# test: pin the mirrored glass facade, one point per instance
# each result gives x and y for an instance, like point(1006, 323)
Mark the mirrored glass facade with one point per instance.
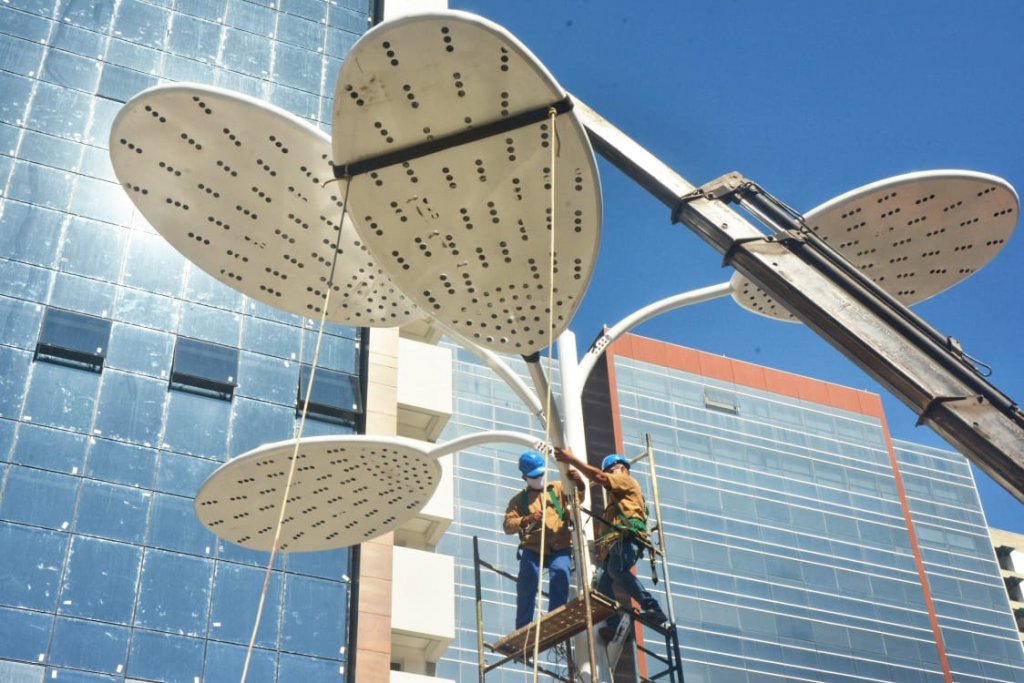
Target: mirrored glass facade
point(791, 557)
point(105, 573)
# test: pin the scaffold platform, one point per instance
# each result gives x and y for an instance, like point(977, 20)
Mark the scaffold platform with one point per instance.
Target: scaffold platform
point(556, 626)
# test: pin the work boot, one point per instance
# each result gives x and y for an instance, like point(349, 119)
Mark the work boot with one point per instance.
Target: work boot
point(653, 615)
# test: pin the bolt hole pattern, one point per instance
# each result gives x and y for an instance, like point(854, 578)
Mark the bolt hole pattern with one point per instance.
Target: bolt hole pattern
point(953, 225)
point(342, 493)
point(229, 161)
point(456, 228)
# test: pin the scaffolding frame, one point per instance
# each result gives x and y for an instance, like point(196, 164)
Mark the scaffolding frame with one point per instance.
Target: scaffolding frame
point(560, 625)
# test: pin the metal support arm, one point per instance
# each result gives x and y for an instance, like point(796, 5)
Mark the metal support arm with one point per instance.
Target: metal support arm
point(876, 334)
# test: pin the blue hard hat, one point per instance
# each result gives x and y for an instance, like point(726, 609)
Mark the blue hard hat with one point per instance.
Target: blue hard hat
point(613, 459)
point(531, 464)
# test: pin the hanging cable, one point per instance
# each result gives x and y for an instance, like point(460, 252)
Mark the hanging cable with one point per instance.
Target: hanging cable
point(298, 439)
point(552, 114)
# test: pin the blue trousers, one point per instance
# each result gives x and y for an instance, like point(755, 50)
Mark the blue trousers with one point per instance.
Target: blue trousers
point(616, 571)
point(558, 563)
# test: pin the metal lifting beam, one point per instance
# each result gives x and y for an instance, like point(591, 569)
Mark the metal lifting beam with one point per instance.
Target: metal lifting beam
point(886, 340)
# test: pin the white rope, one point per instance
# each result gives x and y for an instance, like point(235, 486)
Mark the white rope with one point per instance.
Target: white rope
point(298, 439)
point(548, 397)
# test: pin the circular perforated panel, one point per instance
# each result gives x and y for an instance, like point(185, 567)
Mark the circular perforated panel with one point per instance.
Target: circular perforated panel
point(238, 187)
point(345, 490)
point(465, 232)
point(915, 235)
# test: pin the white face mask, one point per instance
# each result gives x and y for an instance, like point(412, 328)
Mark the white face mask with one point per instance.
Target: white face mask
point(535, 483)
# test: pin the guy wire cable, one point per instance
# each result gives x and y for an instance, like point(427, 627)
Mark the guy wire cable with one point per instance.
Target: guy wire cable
point(298, 440)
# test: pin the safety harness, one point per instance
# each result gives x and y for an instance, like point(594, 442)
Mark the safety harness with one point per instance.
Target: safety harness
point(633, 529)
point(524, 503)
point(524, 509)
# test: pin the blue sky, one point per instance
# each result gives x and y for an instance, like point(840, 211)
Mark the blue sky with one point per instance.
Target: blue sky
point(810, 98)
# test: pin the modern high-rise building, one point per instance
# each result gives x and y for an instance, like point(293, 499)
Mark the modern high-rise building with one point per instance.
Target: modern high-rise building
point(127, 376)
point(805, 544)
point(1010, 554)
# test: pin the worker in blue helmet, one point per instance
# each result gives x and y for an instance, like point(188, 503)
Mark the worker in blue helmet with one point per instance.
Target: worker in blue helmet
point(523, 516)
point(622, 536)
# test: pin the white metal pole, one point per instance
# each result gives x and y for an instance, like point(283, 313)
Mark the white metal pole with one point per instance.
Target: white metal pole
point(575, 438)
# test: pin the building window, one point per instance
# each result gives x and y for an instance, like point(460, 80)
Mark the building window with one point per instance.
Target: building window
point(204, 368)
point(1005, 555)
point(1013, 588)
point(336, 396)
point(74, 339)
point(720, 400)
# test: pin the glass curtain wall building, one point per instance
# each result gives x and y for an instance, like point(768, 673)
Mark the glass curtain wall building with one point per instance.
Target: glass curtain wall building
point(127, 376)
point(786, 507)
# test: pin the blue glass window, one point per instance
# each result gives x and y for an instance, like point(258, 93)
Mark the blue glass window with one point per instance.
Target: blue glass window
point(59, 396)
point(131, 408)
point(267, 378)
point(72, 71)
point(197, 425)
point(224, 662)
point(88, 246)
point(82, 294)
point(141, 350)
point(293, 668)
point(235, 602)
point(113, 511)
point(183, 474)
point(17, 91)
point(336, 396)
point(30, 577)
point(251, 17)
point(271, 338)
point(29, 232)
point(175, 593)
point(7, 428)
point(24, 635)
point(92, 15)
point(149, 310)
point(315, 614)
point(119, 462)
point(165, 657)
point(176, 527)
point(89, 645)
point(205, 289)
point(152, 264)
point(73, 338)
point(257, 422)
point(19, 56)
point(209, 324)
point(328, 564)
point(202, 367)
point(51, 449)
point(59, 111)
point(39, 497)
point(102, 578)
point(101, 200)
point(194, 38)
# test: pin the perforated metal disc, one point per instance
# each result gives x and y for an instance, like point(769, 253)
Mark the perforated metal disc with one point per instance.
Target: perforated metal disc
point(915, 235)
point(465, 232)
point(236, 186)
point(345, 490)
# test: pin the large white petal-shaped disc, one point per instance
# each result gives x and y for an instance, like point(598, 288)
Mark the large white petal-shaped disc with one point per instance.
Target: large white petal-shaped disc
point(915, 235)
point(246, 192)
point(345, 490)
point(452, 183)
